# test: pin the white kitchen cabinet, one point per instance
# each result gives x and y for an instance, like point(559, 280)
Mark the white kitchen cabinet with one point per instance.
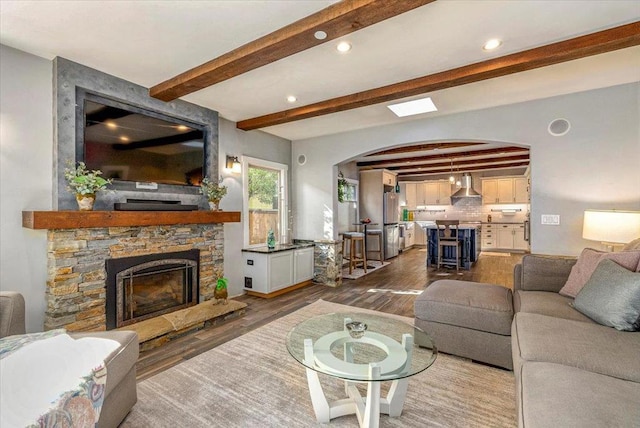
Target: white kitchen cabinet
point(433, 193)
point(267, 272)
point(505, 190)
point(302, 265)
point(519, 243)
point(521, 190)
point(419, 235)
point(503, 236)
point(410, 195)
point(409, 235)
point(388, 178)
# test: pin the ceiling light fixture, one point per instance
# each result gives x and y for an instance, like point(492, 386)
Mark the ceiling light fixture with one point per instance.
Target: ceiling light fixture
point(320, 35)
point(409, 108)
point(182, 127)
point(492, 44)
point(291, 99)
point(124, 138)
point(343, 47)
point(110, 125)
point(452, 179)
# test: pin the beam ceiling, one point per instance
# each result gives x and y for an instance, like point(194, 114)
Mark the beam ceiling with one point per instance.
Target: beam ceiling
point(337, 20)
point(422, 148)
point(466, 169)
point(591, 44)
point(457, 165)
point(448, 156)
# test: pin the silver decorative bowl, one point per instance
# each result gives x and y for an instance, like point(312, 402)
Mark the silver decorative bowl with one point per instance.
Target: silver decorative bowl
point(356, 329)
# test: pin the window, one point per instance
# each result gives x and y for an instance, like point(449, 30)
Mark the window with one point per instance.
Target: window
point(265, 202)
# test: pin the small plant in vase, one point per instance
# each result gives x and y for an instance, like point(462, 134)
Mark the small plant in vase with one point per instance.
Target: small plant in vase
point(213, 191)
point(84, 184)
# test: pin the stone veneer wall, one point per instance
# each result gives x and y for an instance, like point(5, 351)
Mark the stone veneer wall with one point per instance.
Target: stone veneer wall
point(76, 289)
point(327, 267)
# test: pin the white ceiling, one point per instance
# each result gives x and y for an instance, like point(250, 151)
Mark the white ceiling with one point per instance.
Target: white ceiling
point(147, 42)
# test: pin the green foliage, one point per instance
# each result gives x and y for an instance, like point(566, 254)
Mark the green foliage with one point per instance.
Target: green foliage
point(222, 284)
point(81, 181)
point(342, 187)
point(213, 191)
point(263, 184)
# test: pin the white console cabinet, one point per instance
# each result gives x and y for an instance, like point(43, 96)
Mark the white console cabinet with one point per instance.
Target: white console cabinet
point(269, 273)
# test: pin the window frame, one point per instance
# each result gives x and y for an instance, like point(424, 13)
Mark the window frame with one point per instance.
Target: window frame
point(283, 198)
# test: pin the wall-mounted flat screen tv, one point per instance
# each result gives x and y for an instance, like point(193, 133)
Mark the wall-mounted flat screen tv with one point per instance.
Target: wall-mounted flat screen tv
point(131, 144)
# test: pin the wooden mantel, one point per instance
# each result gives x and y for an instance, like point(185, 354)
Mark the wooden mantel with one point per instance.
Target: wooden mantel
point(92, 219)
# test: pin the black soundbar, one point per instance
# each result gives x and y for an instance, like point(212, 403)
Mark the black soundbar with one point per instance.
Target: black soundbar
point(152, 205)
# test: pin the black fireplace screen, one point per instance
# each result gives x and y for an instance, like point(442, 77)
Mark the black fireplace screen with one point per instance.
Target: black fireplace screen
point(147, 286)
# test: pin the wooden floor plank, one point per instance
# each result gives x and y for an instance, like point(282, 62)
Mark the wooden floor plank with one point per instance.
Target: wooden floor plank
point(406, 273)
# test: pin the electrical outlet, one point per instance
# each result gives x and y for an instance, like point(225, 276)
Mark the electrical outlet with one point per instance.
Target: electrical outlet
point(248, 282)
point(550, 219)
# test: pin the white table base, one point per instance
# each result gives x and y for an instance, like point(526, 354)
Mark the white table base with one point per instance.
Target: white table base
point(367, 410)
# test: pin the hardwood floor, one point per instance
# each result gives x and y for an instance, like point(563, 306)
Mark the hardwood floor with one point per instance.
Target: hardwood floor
point(392, 289)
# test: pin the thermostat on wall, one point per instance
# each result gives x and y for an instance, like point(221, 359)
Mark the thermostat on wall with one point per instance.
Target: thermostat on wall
point(146, 185)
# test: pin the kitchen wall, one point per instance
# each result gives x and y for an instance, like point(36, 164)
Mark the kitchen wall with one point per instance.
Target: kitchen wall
point(26, 177)
point(595, 165)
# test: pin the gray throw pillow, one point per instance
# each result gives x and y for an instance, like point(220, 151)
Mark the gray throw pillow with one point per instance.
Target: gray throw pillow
point(611, 297)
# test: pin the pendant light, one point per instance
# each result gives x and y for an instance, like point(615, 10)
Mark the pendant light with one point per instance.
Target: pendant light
point(452, 179)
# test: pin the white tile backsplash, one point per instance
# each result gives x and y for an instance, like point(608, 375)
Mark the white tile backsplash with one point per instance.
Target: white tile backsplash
point(471, 209)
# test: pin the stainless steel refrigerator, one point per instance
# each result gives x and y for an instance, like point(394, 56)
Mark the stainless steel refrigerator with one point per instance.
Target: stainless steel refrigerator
point(391, 228)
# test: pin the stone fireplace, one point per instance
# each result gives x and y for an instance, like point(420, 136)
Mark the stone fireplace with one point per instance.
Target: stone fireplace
point(77, 291)
point(143, 287)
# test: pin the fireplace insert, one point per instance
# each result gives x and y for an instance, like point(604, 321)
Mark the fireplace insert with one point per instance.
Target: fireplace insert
point(143, 287)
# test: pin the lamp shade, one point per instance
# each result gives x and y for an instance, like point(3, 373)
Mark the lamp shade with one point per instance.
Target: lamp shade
point(612, 226)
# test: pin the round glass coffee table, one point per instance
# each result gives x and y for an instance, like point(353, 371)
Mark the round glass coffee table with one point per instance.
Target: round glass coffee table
point(360, 348)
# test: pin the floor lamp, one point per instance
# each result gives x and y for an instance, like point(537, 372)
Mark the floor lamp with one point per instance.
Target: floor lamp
point(612, 228)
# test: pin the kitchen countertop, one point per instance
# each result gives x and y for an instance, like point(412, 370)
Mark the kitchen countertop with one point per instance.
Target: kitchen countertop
point(503, 222)
point(461, 226)
point(278, 248)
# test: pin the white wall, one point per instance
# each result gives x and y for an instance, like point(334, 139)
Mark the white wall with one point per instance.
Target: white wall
point(26, 175)
point(256, 144)
point(596, 165)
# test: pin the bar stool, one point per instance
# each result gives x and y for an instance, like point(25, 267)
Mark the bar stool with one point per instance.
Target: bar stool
point(376, 233)
point(355, 256)
point(448, 237)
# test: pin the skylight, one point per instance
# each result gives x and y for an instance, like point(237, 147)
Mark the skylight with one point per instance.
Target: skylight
point(409, 108)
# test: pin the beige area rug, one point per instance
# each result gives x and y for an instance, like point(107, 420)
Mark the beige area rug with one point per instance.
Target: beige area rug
point(252, 381)
point(359, 272)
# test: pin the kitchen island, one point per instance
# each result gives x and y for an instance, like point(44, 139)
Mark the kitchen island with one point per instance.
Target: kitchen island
point(469, 233)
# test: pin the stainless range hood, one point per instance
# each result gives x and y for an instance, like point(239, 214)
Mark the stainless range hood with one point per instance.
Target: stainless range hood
point(466, 191)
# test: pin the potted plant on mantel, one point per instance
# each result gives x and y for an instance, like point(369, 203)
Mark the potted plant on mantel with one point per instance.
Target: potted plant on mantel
point(85, 184)
point(213, 191)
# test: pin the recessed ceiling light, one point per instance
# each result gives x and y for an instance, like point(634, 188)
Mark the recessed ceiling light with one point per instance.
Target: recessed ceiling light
point(182, 127)
point(320, 35)
point(492, 44)
point(124, 138)
point(409, 108)
point(292, 99)
point(111, 125)
point(343, 47)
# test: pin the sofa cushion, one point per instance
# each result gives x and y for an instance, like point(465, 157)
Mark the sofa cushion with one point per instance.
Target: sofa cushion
point(553, 395)
point(611, 297)
point(473, 305)
point(587, 346)
point(547, 303)
point(543, 273)
point(633, 245)
point(587, 263)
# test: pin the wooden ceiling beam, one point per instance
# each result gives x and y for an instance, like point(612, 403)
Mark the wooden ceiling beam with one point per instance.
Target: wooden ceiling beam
point(466, 169)
point(454, 156)
point(337, 20)
point(580, 47)
point(459, 164)
point(422, 148)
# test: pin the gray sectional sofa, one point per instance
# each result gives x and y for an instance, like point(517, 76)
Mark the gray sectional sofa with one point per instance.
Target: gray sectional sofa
point(569, 371)
point(120, 391)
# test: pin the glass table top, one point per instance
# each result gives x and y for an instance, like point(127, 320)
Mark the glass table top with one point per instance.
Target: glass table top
point(399, 349)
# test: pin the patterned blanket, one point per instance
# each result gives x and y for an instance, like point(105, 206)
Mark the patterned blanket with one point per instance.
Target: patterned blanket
point(51, 380)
